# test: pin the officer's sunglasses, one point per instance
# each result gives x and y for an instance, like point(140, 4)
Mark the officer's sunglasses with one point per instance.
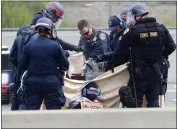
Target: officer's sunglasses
point(86, 33)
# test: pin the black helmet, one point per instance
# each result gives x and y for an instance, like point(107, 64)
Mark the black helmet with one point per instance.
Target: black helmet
point(45, 22)
point(139, 9)
point(55, 10)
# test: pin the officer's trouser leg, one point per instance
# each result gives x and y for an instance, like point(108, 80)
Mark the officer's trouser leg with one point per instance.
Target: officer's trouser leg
point(54, 97)
point(140, 93)
point(15, 102)
point(33, 100)
point(33, 95)
point(152, 95)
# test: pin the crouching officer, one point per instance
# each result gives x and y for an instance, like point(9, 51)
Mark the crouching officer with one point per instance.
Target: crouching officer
point(92, 42)
point(40, 58)
point(147, 41)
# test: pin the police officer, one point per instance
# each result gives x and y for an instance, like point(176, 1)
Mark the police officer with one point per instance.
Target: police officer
point(54, 11)
point(15, 54)
point(123, 15)
point(117, 28)
point(148, 41)
point(40, 58)
point(92, 42)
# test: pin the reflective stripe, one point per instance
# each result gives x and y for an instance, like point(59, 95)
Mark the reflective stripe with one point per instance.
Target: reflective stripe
point(38, 24)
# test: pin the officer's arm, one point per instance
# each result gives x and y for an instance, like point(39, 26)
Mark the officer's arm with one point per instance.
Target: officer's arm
point(24, 59)
point(119, 57)
point(61, 58)
point(14, 53)
point(81, 43)
point(170, 46)
point(121, 53)
point(66, 46)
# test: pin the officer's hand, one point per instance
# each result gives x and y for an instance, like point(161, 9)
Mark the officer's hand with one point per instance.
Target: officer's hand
point(67, 54)
point(99, 58)
point(79, 49)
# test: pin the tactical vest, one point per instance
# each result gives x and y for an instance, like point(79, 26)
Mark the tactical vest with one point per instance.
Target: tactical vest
point(22, 41)
point(149, 41)
point(26, 35)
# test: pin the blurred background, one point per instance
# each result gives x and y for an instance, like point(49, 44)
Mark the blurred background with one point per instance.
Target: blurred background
point(16, 13)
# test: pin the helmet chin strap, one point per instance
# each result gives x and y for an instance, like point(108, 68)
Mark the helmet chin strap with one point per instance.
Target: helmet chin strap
point(139, 18)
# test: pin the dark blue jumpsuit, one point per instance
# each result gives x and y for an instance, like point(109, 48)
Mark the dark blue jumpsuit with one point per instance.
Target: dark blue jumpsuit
point(148, 49)
point(41, 57)
point(14, 56)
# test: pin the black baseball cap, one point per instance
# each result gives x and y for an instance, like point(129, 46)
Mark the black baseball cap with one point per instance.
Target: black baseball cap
point(113, 22)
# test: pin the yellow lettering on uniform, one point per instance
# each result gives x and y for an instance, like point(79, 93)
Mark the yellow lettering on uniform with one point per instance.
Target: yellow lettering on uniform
point(153, 34)
point(143, 35)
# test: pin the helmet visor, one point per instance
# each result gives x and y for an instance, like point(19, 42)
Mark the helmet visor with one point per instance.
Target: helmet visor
point(130, 20)
point(58, 23)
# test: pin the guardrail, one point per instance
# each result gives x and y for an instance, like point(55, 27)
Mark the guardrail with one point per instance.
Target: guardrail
point(101, 118)
point(66, 29)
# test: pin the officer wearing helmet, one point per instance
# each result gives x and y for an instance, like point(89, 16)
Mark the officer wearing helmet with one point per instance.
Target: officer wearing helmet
point(148, 42)
point(54, 11)
point(123, 15)
point(40, 58)
point(23, 37)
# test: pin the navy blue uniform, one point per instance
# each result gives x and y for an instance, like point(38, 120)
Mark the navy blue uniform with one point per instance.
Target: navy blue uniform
point(15, 54)
point(149, 41)
point(20, 30)
point(96, 45)
point(115, 40)
point(40, 58)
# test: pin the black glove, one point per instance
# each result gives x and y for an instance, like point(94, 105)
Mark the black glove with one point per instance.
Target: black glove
point(67, 54)
point(107, 56)
point(78, 49)
point(99, 58)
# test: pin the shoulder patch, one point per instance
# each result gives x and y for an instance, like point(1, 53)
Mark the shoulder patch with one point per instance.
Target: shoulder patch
point(127, 30)
point(102, 36)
